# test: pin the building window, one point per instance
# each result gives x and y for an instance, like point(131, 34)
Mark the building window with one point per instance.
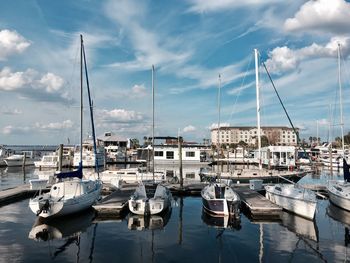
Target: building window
point(190, 175)
point(169, 155)
point(158, 153)
point(190, 154)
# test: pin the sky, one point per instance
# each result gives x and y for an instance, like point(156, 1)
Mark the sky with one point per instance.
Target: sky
point(190, 43)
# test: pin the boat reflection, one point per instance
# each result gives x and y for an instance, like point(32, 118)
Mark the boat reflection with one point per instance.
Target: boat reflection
point(339, 214)
point(151, 222)
point(221, 221)
point(300, 226)
point(62, 227)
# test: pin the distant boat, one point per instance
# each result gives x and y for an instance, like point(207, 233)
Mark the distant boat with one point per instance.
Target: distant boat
point(150, 199)
point(52, 161)
point(4, 153)
point(71, 193)
point(89, 157)
point(293, 198)
point(24, 159)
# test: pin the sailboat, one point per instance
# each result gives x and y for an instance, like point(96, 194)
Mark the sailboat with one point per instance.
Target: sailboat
point(144, 200)
point(71, 193)
point(218, 198)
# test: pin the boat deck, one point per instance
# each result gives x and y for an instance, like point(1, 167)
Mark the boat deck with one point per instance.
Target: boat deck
point(257, 204)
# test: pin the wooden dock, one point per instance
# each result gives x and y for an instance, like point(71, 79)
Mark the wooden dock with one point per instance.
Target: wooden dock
point(115, 203)
point(257, 204)
point(16, 194)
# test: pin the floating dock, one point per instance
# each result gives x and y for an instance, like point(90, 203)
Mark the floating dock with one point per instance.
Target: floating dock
point(257, 204)
point(17, 193)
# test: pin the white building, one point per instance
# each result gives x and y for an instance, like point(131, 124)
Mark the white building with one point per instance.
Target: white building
point(276, 135)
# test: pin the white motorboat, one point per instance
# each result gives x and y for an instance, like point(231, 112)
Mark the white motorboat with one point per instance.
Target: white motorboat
point(24, 159)
point(293, 198)
point(4, 153)
point(71, 193)
point(51, 161)
point(150, 199)
point(89, 157)
point(130, 175)
point(220, 199)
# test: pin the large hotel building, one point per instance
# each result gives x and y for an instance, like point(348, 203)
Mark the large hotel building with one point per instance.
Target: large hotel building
point(275, 135)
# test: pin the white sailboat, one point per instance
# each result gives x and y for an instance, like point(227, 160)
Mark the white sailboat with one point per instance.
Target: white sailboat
point(71, 193)
point(293, 198)
point(219, 198)
point(149, 199)
point(142, 202)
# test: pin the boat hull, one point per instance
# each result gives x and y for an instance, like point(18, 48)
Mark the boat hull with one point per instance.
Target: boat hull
point(57, 207)
point(339, 201)
point(300, 207)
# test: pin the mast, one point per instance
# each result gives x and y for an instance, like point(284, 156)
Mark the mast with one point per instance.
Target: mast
point(153, 122)
point(91, 110)
point(219, 99)
point(258, 104)
point(340, 102)
point(81, 100)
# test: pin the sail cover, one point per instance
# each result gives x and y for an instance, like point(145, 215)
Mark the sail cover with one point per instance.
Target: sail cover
point(76, 173)
point(346, 171)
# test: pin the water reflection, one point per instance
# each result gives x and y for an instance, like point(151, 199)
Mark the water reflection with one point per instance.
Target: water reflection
point(151, 222)
point(300, 226)
point(221, 221)
point(63, 227)
point(339, 214)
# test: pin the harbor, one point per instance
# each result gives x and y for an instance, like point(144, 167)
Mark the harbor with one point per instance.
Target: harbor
point(183, 232)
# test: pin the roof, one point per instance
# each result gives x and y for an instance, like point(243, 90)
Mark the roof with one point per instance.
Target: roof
point(111, 137)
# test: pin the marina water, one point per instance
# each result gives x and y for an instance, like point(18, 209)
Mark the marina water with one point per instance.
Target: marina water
point(184, 234)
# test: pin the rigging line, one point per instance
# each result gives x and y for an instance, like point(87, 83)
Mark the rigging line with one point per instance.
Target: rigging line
point(240, 89)
point(285, 111)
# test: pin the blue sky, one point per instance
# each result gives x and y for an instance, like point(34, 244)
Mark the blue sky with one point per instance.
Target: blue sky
point(190, 42)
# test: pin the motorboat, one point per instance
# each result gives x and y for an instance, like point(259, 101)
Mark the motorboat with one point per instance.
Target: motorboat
point(130, 175)
point(52, 161)
point(89, 157)
point(220, 199)
point(293, 198)
point(150, 199)
point(23, 159)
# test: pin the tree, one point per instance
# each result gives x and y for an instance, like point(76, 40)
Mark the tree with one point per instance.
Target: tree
point(134, 143)
point(264, 141)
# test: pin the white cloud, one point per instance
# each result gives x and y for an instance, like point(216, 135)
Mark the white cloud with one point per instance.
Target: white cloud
point(150, 49)
point(321, 16)
point(7, 111)
point(215, 125)
point(31, 84)
point(284, 59)
point(189, 128)
point(66, 124)
point(37, 127)
point(120, 115)
point(51, 82)
point(10, 81)
point(201, 6)
point(9, 129)
point(11, 43)
point(138, 91)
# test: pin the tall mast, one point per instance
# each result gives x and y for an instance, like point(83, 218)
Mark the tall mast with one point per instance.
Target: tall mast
point(81, 99)
point(340, 101)
point(153, 121)
point(258, 104)
point(219, 99)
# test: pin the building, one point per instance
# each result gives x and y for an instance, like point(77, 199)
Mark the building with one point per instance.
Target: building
point(277, 135)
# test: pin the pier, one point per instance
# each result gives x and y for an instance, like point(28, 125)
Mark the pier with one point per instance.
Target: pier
point(257, 204)
point(17, 193)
